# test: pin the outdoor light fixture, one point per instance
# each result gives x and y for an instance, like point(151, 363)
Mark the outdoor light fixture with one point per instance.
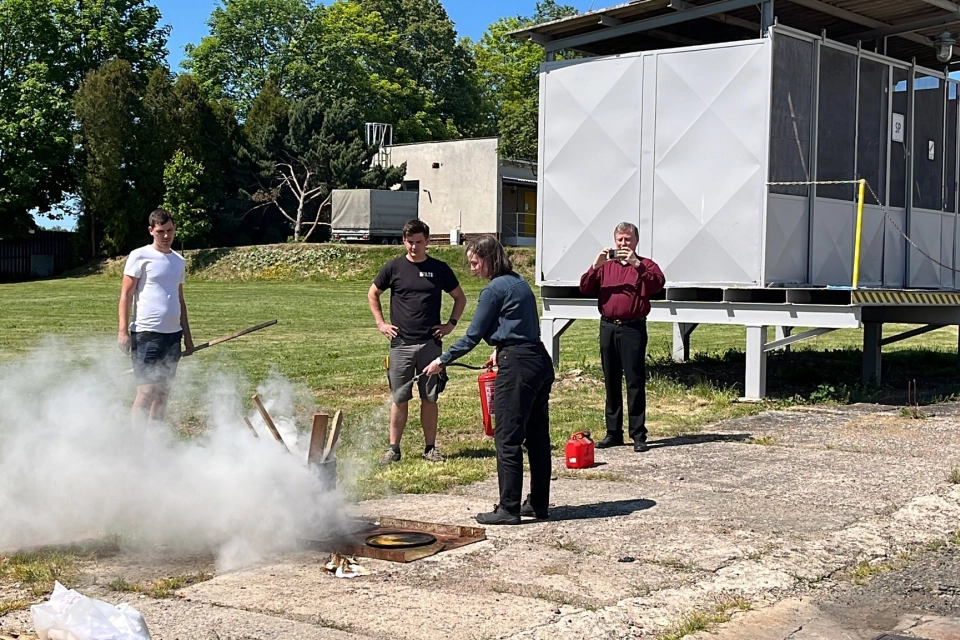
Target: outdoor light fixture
point(943, 43)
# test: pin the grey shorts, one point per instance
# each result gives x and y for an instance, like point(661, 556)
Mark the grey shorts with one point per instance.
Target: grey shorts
point(406, 361)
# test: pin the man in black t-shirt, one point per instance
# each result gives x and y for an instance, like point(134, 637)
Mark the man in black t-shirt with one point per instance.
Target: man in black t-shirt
point(416, 282)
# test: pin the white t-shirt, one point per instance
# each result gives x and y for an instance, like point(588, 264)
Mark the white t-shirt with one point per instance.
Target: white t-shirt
point(156, 299)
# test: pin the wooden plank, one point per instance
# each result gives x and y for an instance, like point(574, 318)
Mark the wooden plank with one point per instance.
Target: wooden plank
point(334, 435)
point(318, 438)
point(266, 418)
point(250, 424)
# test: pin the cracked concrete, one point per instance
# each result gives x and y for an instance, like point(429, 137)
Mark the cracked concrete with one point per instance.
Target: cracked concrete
point(706, 518)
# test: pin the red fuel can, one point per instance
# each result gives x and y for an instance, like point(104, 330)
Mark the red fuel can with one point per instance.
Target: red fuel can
point(486, 381)
point(579, 451)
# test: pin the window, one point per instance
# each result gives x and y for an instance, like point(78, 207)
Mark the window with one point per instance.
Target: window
point(836, 122)
point(928, 92)
point(950, 151)
point(872, 131)
point(792, 109)
point(410, 185)
point(898, 139)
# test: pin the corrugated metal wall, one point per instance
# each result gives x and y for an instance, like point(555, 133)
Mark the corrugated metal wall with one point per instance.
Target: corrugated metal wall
point(46, 253)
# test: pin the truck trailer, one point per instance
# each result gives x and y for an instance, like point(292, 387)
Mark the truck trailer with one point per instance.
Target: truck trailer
point(371, 215)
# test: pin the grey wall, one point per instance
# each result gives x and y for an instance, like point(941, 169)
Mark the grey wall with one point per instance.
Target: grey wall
point(674, 141)
point(463, 191)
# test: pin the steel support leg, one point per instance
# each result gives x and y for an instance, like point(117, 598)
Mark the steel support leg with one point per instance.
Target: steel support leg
point(755, 384)
point(784, 332)
point(550, 331)
point(872, 332)
point(767, 16)
point(681, 340)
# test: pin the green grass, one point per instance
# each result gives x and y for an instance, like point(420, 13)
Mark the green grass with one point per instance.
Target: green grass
point(32, 573)
point(161, 587)
point(705, 619)
point(326, 342)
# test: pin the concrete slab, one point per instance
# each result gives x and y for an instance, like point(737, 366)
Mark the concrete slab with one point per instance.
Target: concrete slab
point(706, 519)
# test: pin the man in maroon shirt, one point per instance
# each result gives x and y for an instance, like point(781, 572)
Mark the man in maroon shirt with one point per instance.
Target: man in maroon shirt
point(622, 282)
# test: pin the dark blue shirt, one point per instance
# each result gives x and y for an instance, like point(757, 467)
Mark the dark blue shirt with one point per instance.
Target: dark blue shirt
point(506, 315)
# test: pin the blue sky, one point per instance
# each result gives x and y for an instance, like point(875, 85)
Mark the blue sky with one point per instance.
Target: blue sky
point(189, 17)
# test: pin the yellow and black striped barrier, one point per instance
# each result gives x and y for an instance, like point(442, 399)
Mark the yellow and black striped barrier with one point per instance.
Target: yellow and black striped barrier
point(929, 298)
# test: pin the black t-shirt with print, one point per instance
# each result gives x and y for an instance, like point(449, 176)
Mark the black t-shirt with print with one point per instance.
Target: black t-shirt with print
point(416, 295)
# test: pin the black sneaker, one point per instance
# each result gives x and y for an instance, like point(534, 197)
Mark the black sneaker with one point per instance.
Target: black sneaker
point(640, 446)
point(610, 440)
point(526, 511)
point(499, 515)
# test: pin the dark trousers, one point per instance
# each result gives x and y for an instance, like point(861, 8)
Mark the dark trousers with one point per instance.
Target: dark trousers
point(623, 349)
point(521, 393)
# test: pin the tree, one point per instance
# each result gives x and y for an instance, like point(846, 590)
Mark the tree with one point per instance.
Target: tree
point(182, 178)
point(509, 72)
point(323, 150)
point(108, 109)
point(250, 42)
point(47, 47)
point(399, 60)
point(435, 62)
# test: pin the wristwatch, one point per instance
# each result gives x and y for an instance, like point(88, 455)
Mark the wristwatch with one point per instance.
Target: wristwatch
point(453, 321)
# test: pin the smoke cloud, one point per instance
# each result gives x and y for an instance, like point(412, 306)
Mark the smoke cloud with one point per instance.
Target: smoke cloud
point(73, 468)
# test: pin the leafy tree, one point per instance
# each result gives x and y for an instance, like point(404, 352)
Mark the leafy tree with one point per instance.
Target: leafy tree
point(431, 59)
point(250, 42)
point(108, 109)
point(323, 150)
point(400, 61)
point(47, 47)
point(509, 72)
point(184, 198)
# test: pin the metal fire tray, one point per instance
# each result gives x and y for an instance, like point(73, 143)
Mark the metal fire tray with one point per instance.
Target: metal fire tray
point(448, 536)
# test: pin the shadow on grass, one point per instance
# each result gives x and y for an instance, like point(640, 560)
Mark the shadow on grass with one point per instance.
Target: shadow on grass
point(600, 509)
point(825, 376)
point(698, 438)
point(474, 453)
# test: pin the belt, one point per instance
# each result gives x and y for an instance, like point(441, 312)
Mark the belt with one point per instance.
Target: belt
point(627, 321)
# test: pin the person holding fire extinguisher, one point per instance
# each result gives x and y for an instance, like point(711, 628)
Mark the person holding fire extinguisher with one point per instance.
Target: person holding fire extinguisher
point(506, 318)
point(622, 282)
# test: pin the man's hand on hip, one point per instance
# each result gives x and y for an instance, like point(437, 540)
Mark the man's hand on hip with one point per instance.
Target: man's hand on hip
point(387, 329)
point(441, 330)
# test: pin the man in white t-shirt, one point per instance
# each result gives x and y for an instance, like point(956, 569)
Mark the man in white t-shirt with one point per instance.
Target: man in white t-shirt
point(153, 281)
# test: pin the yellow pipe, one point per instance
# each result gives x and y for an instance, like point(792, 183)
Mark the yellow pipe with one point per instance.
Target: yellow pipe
point(856, 245)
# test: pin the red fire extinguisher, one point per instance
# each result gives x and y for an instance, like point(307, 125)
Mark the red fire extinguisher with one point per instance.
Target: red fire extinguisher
point(486, 381)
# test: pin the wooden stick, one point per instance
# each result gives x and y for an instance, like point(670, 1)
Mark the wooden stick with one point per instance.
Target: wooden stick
point(250, 424)
point(317, 438)
point(231, 336)
point(205, 345)
point(333, 436)
point(267, 419)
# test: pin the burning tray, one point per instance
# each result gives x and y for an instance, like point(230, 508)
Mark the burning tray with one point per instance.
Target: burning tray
point(356, 543)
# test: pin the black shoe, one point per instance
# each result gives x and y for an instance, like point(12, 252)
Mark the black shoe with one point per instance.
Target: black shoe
point(499, 515)
point(610, 440)
point(640, 446)
point(527, 511)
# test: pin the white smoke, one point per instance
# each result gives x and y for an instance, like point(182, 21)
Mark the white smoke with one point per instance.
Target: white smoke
point(72, 467)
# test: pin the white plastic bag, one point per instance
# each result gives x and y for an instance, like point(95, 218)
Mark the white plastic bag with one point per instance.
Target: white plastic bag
point(72, 616)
